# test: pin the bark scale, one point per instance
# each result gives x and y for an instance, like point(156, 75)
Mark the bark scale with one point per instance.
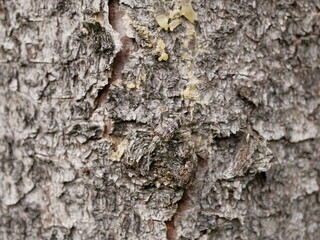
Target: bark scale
point(159, 119)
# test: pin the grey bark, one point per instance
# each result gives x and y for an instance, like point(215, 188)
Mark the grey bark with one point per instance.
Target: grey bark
point(159, 119)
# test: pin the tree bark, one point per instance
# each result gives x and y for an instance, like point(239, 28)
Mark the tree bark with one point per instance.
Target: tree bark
point(187, 119)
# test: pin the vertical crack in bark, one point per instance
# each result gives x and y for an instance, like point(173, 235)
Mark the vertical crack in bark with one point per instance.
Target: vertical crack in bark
point(171, 229)
point(183, 203)
point(182, 206)
point(128, 46)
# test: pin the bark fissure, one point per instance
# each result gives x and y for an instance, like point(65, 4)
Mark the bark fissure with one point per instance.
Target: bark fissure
point(170, 224)
point(104, 106)
point(183, 203)
point(121, 58)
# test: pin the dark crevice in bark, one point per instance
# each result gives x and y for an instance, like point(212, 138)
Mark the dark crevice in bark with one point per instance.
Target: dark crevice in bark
point(171, 229)
point(128, 46)
point(102, 96)
point(182, 206)
point(183, 203)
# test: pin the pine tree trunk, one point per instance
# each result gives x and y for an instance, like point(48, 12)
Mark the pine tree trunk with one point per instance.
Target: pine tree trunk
point(187, 119)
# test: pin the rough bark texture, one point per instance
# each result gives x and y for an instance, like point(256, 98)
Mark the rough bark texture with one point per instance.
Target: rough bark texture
point(147, 119)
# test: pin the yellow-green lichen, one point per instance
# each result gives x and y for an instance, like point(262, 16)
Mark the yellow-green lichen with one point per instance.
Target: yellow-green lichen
point(191, 92)
point(190, 30)
point(187, 11)
point(174, 23)
point(162, 20)
point(136, 84)
point(131, 85)
point(142, 77)
point(143, 32)
point(172, 19)
point(161, 46)
point(116, 155)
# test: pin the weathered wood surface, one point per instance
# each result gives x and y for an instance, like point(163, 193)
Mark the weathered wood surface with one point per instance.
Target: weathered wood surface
point(159, 119)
